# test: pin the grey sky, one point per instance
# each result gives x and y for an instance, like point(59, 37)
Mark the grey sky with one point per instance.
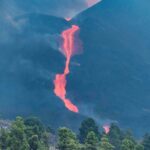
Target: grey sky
point(63, 8)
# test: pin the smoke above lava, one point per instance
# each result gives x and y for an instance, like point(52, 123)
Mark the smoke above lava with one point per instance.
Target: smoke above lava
point(92, 2)
point(61, 8)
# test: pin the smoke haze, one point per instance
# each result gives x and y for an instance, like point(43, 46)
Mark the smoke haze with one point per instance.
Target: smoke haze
point(61, 8)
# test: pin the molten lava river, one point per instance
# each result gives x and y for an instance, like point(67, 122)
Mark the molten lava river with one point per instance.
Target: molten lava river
point(60, 81)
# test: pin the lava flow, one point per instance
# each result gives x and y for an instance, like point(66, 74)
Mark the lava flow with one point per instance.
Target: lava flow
point(60, 79)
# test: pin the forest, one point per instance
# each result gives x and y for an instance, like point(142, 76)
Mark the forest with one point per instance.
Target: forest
point(31, 134)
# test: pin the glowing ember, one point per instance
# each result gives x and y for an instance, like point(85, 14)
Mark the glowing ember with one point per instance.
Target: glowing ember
point(92, 2)
point(60, 79)
point(106, 128)
point(68, 19)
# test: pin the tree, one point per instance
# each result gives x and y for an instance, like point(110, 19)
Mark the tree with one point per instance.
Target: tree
point(34, 142)
point(128, 135)
point(36, 134)
point(87, 126)
point(146, 142)
point(128, 144)
point(34, 127)
point(67, 140)
point(29, 135)
point(82, 147)
point(105, 145)
point(3, 138)
point(139, 147)
point(115, 136)
point(91, 141)
point(17, 137)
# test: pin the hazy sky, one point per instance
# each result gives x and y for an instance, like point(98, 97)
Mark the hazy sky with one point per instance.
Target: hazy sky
point(63, 8)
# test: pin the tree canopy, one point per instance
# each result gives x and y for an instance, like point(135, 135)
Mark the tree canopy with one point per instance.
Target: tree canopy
point(31, 134)
point(86, 126)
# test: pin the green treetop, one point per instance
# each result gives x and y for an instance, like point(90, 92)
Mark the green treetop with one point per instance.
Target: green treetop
point(67, 140)
point(91, 141)
point(139, 147)
point(115, 136)
point(104, 144)
point(17, 139)
point(87, 126)
point(128, 144)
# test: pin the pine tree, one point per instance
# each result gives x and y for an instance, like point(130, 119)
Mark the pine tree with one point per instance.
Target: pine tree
point(67, 140)
point(91, 141)
point(87, 126)
point(115, 136)
point(128, 144)
point(17, 137)
point(146, 142)
point(105, 145)
point(36, 133)
point(3, 138)
point(139, 147)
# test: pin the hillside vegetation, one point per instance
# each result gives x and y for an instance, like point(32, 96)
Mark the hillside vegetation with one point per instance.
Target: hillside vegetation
point(31, 134)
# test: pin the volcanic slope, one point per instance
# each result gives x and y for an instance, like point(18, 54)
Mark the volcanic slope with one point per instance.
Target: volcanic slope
point(115, 65)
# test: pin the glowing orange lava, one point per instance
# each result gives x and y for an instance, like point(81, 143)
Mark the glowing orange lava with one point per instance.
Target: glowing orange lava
point(106, 128)
point(68, 19)
point(60, 79)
